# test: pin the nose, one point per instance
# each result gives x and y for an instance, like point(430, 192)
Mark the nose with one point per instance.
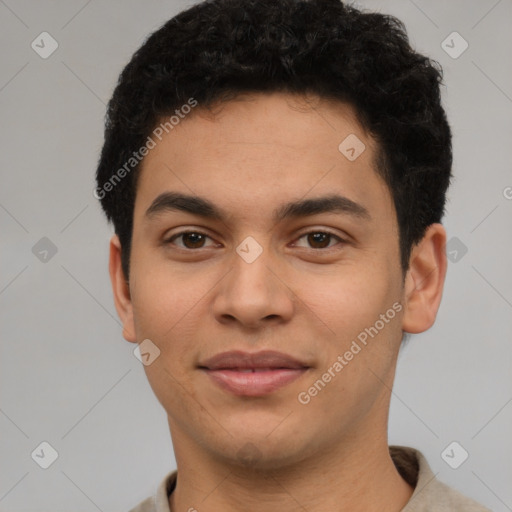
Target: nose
point(254, 295)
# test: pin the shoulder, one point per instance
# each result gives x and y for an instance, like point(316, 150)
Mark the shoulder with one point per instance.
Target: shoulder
point(449, 499)
point(429, 493)
point(148, 505)
point(159, 502)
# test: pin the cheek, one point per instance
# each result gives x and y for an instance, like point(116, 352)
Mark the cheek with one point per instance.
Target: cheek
point(350, 299)
point(356, 369)
point(168, 307)
point(160, 294)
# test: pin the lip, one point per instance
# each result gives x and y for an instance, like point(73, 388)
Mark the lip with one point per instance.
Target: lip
point(253, 374)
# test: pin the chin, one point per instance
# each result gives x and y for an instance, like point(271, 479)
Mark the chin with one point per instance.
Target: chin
point(260, 453)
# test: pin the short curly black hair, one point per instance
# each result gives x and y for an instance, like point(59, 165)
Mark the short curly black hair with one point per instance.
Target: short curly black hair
point(218, 49)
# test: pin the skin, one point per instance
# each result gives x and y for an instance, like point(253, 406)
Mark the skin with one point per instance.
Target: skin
point(299, 297)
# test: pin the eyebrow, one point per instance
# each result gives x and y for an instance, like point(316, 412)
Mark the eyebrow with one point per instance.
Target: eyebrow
point(334, 203)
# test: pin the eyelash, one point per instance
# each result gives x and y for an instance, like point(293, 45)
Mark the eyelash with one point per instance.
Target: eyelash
point(182, 233)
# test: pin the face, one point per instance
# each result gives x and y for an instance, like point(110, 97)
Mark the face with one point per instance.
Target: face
point(291, 248)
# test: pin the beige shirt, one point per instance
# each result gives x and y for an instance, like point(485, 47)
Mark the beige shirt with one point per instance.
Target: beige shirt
point(430, 495)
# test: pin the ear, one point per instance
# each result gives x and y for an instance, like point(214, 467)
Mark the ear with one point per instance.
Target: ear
point(121, 290)
point(424, 280)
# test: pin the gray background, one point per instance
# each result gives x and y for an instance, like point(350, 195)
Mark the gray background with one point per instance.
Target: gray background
point(67, 375)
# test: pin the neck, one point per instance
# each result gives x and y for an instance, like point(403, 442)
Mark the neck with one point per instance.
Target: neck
point(358, 476)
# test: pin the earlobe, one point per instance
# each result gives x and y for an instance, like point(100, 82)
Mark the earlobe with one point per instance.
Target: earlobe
point(121, 290)
point(425, 280)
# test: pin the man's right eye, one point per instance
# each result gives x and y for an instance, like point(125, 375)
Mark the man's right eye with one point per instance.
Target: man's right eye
point(189, 239)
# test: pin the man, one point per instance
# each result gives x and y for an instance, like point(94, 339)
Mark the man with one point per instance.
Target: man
point(276, 175)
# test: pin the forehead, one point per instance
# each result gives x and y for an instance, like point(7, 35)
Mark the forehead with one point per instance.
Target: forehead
point(261, 149)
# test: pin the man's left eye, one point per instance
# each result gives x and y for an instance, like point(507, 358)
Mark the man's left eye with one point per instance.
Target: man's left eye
point(320, 239)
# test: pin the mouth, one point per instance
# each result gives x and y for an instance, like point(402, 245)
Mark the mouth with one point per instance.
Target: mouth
point(253, 375)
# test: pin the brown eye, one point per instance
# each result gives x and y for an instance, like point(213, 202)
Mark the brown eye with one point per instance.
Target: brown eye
point(193, 240)
point(189, 240)
point(319, 240)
